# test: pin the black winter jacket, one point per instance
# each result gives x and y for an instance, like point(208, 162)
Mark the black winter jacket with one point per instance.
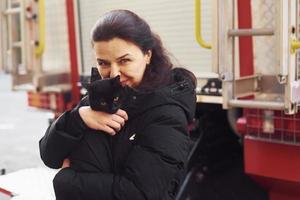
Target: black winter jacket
point(145, 160)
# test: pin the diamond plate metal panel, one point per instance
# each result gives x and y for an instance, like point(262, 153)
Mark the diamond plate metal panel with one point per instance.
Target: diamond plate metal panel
point(56, 54)
point(263, 16)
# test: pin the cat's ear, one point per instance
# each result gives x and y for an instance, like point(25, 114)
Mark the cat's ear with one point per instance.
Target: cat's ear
point(116, 81)
point(95, 74)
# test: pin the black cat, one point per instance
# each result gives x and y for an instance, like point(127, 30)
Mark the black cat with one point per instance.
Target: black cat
point(104, 95)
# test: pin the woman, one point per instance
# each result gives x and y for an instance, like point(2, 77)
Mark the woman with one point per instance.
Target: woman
point(145, 148)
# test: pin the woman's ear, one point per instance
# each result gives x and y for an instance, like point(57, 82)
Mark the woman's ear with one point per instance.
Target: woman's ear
point(148, 56)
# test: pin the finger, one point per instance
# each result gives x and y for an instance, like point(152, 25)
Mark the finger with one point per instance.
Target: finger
point(108, 130)
point(115, 125)
point(122, 113)
point(118, 119)
point(66, 163)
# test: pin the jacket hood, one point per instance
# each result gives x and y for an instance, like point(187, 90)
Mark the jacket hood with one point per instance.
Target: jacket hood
point(180, 92)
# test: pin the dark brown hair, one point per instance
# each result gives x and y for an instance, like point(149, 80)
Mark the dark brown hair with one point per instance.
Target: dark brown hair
point(128, 26)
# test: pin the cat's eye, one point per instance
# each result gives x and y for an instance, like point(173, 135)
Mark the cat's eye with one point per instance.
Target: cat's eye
point(116, 99)
point(103, 103)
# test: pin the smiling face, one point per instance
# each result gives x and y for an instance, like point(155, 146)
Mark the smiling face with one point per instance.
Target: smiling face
point(120, 57)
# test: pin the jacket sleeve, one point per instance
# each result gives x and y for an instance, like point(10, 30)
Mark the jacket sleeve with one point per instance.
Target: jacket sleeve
point(61, 137)
point(160, 153)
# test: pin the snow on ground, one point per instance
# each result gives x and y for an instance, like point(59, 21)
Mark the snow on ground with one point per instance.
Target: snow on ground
point(21, 127)
point(30, 184)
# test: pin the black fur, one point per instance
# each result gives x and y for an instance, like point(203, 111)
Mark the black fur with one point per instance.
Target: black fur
point(105, 94)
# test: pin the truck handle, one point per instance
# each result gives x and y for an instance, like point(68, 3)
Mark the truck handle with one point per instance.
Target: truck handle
point(198, 29)
point(41, 27)
point(250, 32)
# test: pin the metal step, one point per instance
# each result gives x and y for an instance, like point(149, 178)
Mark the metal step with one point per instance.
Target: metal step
point(257, 104)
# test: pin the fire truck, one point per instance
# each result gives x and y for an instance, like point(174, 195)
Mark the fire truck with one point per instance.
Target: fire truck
point(243, 53)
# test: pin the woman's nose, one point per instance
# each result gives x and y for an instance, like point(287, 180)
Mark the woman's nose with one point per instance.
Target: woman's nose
point(114, 71)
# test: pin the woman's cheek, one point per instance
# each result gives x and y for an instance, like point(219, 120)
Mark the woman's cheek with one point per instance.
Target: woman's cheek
point(104, 73)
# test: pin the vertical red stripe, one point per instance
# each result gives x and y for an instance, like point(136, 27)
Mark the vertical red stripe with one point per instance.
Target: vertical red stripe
point(73, 51)
point(245, 42)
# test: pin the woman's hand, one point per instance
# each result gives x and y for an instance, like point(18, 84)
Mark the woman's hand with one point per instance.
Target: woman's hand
point(109, 123)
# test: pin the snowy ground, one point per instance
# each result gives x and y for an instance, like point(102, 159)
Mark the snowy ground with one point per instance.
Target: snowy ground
point(21, 127)
point(29, 184)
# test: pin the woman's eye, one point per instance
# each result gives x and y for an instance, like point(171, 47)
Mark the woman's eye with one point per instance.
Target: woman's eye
point(103, 64)
point(124, 61)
